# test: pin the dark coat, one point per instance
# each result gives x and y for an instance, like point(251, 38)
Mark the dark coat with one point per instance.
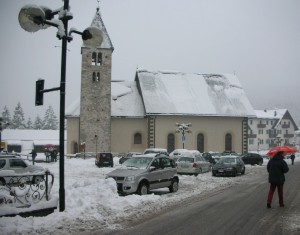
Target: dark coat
point(276, 168)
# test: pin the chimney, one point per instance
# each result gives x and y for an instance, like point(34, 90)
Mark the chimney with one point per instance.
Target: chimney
point(275, 113)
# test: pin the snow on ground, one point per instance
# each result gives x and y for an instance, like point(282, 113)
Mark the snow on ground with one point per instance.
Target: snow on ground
point(92, 202)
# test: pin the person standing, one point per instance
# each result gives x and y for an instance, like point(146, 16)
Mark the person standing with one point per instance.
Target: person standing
point(276, 167)
point(292, 158)
point(33, 154)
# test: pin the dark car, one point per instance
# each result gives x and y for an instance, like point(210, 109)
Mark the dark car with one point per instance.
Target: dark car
point(104, 159)
point(229, 165)
point(253, 159)
point(212, 157)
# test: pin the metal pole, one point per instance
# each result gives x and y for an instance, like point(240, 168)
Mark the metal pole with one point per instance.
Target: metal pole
point(62, 114)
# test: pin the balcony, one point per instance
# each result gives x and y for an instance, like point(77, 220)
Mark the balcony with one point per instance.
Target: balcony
point(261, 125)
point(252, 136)
point(285, 125)
point(288, 135)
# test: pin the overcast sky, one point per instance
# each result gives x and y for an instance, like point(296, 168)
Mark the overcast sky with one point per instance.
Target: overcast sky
point(258, 40)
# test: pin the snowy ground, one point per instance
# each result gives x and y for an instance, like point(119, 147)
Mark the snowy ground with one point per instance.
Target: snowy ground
point(92, 201)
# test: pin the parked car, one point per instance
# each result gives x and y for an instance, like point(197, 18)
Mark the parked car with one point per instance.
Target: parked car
point(127, 156)
point(177, 153)
point(215, 157)
point(156, 150)
point(142, 173)
point(85, 155)
point(104, 159)
point(228, 152)
point(190, 164)
point(253, 159)
point(229, 165)
point(12, 165)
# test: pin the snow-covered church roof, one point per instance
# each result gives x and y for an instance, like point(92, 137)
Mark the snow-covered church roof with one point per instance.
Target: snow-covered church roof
point(174, 93)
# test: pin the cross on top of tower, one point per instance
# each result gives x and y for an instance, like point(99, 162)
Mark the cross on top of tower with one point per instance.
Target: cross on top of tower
point(98, 5)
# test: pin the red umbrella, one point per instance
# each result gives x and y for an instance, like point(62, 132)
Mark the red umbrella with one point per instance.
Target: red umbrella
point(285, 149)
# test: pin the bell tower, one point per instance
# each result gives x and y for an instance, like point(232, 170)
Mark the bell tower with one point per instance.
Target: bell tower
point(95, 97)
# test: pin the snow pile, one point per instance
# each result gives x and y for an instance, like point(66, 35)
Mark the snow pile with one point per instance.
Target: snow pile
point(93, 204)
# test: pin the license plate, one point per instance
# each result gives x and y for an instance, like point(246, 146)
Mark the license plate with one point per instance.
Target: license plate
point(221, 170)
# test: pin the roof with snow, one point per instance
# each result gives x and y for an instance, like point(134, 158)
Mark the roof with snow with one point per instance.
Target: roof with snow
point(270, 113)
point(174, 93)
point(277, 115)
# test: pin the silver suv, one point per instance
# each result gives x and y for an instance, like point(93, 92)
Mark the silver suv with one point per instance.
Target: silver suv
point(142, 173)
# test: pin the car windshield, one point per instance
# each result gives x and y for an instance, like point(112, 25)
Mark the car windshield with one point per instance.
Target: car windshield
point(227, 160)
point(186, 159)
point(137, 162)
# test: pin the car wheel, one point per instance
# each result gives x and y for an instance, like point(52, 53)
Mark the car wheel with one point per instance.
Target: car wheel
point(174, 186)
point(243, 171)
point(213, 173)
point(2, 182)
point(260, 163)
point(143, 189)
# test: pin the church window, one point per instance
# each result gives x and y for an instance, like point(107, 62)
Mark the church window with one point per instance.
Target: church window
point(171, 143)
point(200, 143)
point(137, 138)
point(228, 142)
point(96, 77)
point(94, 57)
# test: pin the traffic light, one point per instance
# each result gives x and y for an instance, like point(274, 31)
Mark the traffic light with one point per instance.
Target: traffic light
point(39, 94)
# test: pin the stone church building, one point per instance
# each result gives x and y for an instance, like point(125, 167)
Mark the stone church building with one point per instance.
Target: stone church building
point(123, 116)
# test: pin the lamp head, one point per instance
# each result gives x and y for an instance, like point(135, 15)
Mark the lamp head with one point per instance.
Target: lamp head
point(31, 18)
point(92, 37)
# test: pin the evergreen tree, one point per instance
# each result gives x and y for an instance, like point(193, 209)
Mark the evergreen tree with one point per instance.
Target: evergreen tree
point(50, 120)
point(6, 118)
point(29, 124)
point(38, 123)
point(18, 121)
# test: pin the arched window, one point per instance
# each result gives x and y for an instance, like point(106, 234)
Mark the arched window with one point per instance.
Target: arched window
point(94, 58)
point(228, 142)
point(171, 143)
point(137, 138)
point(200, 143)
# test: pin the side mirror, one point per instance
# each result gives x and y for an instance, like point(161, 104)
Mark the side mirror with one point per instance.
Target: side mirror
point(152, 168)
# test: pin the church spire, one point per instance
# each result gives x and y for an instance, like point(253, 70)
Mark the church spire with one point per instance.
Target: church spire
point(98, 22)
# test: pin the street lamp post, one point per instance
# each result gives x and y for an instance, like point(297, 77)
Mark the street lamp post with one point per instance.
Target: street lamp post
point(33, 18)
point(183, 128)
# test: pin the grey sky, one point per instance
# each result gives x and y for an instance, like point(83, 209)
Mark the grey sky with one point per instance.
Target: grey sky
point(258, 40)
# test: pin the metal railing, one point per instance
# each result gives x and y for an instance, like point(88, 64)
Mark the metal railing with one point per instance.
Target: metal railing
point(24, 190)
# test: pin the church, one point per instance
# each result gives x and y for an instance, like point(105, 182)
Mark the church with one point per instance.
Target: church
point(124, 116)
